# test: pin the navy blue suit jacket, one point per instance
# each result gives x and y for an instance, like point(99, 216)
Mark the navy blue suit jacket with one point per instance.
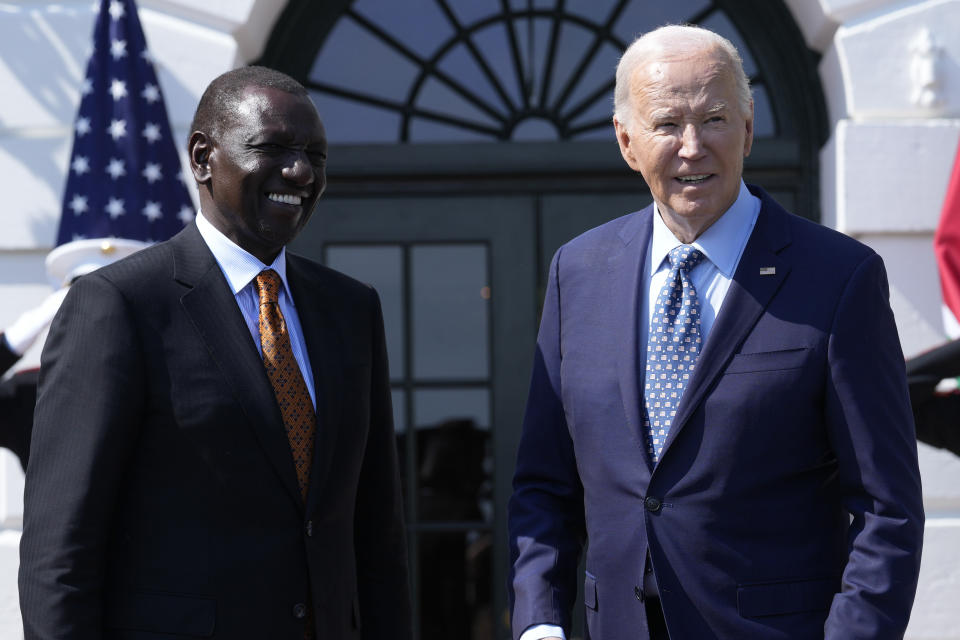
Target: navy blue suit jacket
point(787, 500)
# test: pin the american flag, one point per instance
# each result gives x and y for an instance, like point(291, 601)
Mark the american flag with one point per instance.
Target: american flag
point(125, 178)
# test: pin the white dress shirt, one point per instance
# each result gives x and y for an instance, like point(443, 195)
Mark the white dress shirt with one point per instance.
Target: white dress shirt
point(240, 269)
point(722, 246)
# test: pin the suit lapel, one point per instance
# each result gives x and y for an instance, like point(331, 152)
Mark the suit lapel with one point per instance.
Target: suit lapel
point(213, 310)
point(325, 348)
point(626, 271)
point(752, 288)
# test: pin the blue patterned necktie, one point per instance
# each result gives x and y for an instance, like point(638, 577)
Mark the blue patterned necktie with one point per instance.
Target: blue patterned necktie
point(673, 345)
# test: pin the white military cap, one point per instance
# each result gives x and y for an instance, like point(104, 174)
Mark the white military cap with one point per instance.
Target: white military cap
point(69, 261)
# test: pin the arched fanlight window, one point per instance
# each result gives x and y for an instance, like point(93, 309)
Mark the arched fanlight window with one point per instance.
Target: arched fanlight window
point(474, 137)
point(492, 70)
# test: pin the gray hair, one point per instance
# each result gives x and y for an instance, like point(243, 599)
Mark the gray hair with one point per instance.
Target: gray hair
point(675, 39)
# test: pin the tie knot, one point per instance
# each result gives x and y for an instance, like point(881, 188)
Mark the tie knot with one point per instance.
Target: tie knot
point(684, 257)
point(268, 286)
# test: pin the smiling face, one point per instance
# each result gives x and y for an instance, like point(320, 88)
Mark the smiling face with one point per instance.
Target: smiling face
point(262, 171)
point(687, 135)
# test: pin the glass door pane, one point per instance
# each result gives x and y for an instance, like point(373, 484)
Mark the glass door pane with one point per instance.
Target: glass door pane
point(450, 311)
point(457, 278)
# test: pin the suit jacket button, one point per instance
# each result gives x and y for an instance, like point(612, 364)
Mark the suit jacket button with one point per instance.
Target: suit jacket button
point(651, 504)
point(299, 611)
point(309, 528)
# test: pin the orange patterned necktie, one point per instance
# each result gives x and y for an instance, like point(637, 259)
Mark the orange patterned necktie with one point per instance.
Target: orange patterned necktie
point(285, 377)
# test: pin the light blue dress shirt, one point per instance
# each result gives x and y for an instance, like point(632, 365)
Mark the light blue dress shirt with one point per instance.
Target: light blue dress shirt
point(240, 268)
point(722, 246)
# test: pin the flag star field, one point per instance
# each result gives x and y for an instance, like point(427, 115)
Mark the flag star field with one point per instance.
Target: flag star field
point(124, 178)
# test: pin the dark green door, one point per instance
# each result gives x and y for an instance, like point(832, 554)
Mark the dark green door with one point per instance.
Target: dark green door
point(457, 280)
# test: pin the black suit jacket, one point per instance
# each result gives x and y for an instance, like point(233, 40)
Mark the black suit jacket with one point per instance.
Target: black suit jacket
point(161, 497)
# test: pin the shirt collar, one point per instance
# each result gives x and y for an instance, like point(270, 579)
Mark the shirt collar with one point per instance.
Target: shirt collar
point(722, 243)
point(238, 265)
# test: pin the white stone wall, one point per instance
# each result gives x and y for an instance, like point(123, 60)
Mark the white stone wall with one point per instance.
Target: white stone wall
point(890, 70)
point(891, 74)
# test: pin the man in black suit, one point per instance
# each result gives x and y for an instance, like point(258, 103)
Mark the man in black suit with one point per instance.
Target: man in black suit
point(176, 488)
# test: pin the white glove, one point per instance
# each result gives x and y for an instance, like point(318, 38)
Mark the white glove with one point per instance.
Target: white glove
point(25, 329)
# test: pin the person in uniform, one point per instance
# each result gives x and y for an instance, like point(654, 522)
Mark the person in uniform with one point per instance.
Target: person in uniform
point(936, 412)
point(18, 390)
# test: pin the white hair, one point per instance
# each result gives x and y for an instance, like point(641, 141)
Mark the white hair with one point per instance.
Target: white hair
point(675, 39)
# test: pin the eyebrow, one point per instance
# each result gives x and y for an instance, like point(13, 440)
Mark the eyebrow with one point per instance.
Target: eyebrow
point(717, 108)
point(664, 113)
point(669, 114)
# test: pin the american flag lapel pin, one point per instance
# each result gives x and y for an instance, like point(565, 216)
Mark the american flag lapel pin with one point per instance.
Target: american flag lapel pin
point(768, 271)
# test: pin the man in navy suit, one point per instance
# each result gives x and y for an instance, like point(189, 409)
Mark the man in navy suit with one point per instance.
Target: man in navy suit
point(771, 489)
point(162, 496)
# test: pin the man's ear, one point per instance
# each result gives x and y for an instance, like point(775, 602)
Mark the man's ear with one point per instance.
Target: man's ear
point(623, 139)
point(199, 148)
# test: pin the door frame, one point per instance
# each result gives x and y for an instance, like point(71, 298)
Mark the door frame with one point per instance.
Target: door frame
point(507, 226)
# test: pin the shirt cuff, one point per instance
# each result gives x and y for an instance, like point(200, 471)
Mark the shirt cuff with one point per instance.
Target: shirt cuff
point(540, 631)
